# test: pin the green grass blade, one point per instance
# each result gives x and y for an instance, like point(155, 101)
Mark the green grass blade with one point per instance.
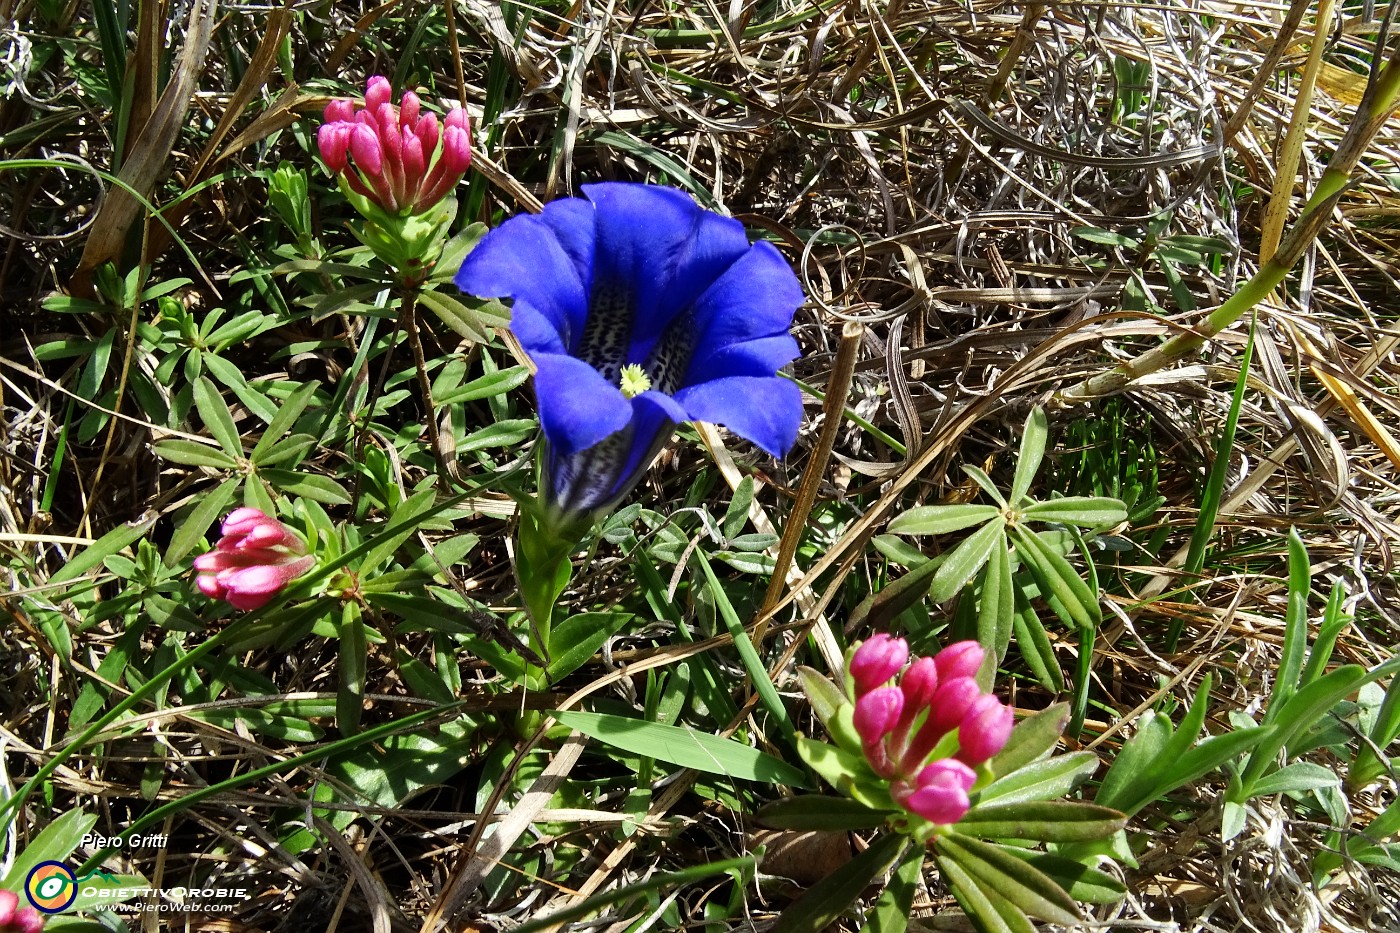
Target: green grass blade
point(684, 747)
point(1215, 484)
point(749, 655)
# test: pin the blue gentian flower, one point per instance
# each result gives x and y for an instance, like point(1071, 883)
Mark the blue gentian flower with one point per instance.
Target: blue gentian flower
point(641, 310)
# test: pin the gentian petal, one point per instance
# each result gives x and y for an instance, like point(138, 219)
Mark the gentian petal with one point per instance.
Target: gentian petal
point(767, 411)
point(640, 275)
point(754, 298)
point(761, 357)
point(578, 407)
point(535, 331)
point(663, 249)
point(526, 259)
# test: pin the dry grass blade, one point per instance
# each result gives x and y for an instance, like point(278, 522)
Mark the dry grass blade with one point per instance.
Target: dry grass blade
point(150, 153)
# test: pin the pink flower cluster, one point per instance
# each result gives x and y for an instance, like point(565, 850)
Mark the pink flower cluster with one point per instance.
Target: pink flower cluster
point(899, 725)
point(256, 557)
point(17, 919)
point(398, 163)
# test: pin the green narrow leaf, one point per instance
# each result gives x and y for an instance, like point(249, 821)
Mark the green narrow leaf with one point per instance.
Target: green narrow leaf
point(291, 448)
point(1033, 438)
point(575, 640)
point(406, 510)
point(423, 680)
point(1191, 723)
point(1333, 621)
point(1057, 578)
point(54, 844)
point(90, 382)
point(192, 453)
point(1203, 759)
point(891, 912)
point(1035, 646)
point(1088, 511)
point(1042, 780)
point(509, 433)
point(343, 298)
point(824, 903)
point(1233, 817)
point(232, 377)
point(217, 418)
point(311, 486)
point(1016, 881)
point(1295, 627)
point(826, 698)
point(744, 867)
point(1181, 293)
point(821, 814)
point(282, 422)
point(352, 657)
point(487, 386)
point(1033, 737)
point(201, 517)
point(111, 33)
point(879, 610)
point(1133, 767)
point(963, 562)
point(685, 747)
point(1104, 237)
point(1301, 711)
point(988, 913)
point(996, 613)
point(1041, 820)
point(1078, 880)
point(846, 770)
point(104, 547)
point(942, 519)
point(470, 318)
point(1367, 766)
point(1299, 776)
point(738, 512)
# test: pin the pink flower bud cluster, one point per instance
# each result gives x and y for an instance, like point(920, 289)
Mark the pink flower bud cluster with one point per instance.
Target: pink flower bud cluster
point(900, 724)
point(391, 155)
point(17, 919)
point(256, 557)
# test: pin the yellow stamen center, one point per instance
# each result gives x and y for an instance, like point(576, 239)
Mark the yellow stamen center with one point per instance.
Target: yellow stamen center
point(634, 381)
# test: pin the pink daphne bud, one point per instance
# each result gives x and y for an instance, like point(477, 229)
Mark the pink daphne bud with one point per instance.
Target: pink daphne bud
point(252, 528)
point(876, 714)
point(256, 557)
point(946, 710)
point(398, 157)
point(984, 730)
point(960, 659)
point(15, 918)
point(919, 684)
point(941, 792)
point(876, 661)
